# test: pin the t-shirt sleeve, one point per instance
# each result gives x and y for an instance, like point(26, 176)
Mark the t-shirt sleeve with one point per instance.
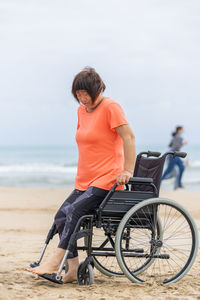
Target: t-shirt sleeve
point(116, 116)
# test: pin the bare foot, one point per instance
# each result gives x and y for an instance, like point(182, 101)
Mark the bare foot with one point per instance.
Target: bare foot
point(70, 277)
point(44, 268)
point(51, 266)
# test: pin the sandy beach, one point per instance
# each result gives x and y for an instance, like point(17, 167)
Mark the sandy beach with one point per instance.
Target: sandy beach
point(26, 215)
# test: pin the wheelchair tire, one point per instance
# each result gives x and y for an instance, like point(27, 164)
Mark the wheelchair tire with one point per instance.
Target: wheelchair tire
point(170, 255)
point(85, 276)
point(107, 265)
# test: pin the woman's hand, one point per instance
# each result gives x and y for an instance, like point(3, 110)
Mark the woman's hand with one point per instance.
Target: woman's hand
point(123, 177)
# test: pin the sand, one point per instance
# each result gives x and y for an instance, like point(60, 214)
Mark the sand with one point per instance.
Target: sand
point(26, 215)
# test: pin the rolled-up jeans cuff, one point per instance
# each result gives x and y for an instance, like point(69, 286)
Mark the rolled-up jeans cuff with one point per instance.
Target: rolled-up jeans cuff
point(71, 254)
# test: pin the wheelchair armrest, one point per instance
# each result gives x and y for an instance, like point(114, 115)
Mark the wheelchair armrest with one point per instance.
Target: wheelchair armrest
point(132, 180)
point(136, 180)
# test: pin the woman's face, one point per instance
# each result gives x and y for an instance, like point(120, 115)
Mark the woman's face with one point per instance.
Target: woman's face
point(84, 98)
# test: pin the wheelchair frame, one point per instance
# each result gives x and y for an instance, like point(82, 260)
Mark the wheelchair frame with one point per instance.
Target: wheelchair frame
point(120, 214)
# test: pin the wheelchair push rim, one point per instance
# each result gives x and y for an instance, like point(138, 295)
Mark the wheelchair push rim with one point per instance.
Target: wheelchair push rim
point(172, 255)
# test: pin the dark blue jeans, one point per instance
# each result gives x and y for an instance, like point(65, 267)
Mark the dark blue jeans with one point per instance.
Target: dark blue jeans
point(172, 162)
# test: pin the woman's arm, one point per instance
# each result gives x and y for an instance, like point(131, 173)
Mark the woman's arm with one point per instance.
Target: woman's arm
point(129, 153)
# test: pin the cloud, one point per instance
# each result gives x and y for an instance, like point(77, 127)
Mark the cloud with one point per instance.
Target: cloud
point(146, 51)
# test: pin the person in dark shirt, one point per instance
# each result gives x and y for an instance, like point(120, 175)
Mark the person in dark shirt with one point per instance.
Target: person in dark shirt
point(175, 164)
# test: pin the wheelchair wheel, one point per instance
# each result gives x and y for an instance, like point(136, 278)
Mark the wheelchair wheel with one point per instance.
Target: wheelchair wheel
point(169, 249)
point(107, 265)
point(85, 276)
point(148, 261)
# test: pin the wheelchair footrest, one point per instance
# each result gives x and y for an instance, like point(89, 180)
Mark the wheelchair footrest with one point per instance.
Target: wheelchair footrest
point(34, 265)
point(52, 277)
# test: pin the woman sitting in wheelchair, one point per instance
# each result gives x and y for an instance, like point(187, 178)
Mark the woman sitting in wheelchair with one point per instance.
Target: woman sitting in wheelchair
point(106, 156)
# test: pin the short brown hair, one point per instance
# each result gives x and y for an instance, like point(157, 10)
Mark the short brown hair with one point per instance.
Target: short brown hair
point(90, 81)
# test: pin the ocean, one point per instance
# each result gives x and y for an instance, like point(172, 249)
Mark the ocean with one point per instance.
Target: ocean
point(55, 166)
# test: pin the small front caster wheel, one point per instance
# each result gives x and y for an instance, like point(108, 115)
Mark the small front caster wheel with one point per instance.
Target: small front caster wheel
point(85, 275)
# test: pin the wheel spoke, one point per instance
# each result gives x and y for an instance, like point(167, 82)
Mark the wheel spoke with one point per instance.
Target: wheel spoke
point(166, 233)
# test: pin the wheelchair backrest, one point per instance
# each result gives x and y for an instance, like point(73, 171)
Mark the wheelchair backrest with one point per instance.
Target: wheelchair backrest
point(148, 167)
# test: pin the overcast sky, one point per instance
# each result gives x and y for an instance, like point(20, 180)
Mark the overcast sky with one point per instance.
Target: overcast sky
point(147, 52)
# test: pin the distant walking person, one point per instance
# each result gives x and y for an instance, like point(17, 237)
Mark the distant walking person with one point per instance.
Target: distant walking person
point(175, 162)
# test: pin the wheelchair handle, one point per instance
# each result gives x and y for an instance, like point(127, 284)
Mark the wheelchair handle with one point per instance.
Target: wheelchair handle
point(153, 153)
point(180, 154)
point(150, 153)
point(176, 154)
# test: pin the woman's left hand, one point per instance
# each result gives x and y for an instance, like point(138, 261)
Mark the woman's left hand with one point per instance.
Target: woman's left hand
point(123, 177)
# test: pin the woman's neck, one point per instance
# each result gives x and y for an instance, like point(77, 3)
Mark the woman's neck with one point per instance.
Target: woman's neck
point(96, 103)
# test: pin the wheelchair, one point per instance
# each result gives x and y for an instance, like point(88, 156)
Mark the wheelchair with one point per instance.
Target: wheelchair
point(134, 232)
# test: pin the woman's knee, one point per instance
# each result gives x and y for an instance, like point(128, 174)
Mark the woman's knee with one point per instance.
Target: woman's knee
point(62, 213)
point(56, 217)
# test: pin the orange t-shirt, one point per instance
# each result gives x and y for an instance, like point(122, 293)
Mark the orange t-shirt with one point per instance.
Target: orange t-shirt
point(101, 155)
